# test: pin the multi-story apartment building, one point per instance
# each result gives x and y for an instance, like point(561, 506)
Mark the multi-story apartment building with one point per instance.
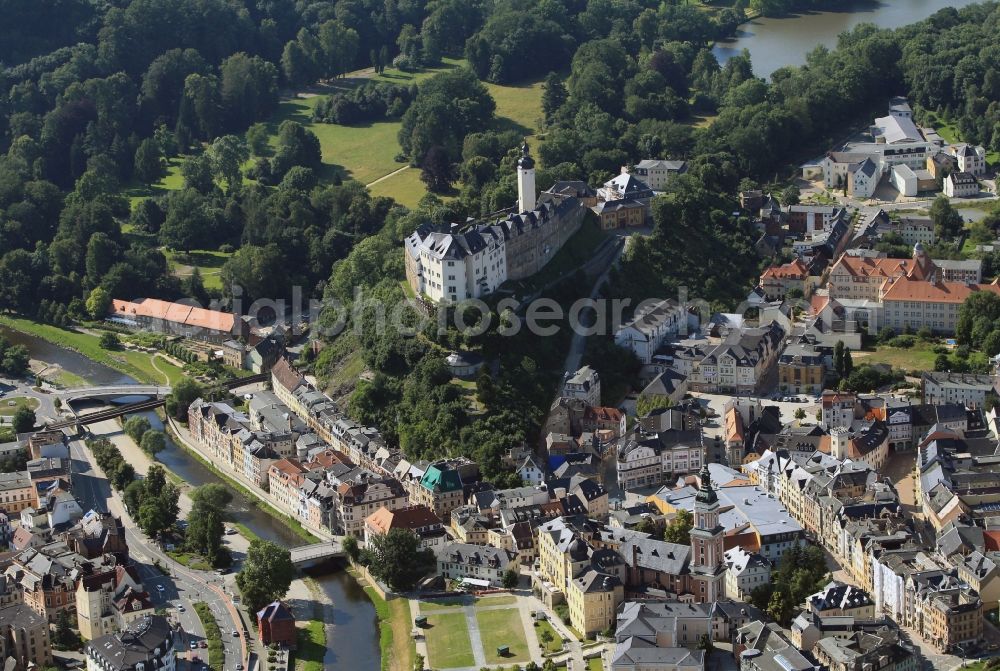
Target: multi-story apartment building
point(17, 492)
point(585, 384)
point(966, 389)
point(147, 643)
point(801, 369)
point(656, 173)
point(109, 601)
point(24, 638)
point(356, 501)
point(459, 561)
point(652, 325)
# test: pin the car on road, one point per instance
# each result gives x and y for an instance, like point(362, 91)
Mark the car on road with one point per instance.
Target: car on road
point(159, 588)
point(181, 608)
point(230, 531)
point(239, 667)
point(236, 634)
point(194, 645)
point(203, 644)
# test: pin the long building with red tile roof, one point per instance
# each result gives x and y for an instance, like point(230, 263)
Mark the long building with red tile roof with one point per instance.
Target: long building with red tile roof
point(177, 319)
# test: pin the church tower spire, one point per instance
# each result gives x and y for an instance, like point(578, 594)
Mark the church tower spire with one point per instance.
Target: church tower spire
point(525, 180)
point(707, 565)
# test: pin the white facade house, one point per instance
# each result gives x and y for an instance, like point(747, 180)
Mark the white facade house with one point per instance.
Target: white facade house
point(904, 179)
point(585, 384)
point(965, 389)
point(745, 571)
point(960, 185)
point(864, 178)
point(652, 326)
point(971, 159)
point(656, 173)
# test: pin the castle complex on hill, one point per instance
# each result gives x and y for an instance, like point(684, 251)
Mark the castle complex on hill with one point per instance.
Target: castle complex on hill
point(473, 261)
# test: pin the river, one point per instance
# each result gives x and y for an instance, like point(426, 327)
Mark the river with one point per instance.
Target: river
point(355, 632)
point(775, 43)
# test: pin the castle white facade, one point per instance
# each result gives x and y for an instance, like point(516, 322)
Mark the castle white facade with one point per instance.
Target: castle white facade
point(471, 262)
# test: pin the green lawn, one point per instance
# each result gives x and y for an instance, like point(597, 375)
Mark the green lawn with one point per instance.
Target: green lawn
point(406, 188)
point(555, 643)
point(518, 106)
point(190, 560)
point(311, 648)
point(137, 364)
point(208, 262)
point(949, 132)
point(595, 664)
point(448, 642)
point(920, 357)
point(916, 359)
point(503, 627)
point(435, 604)
point(172, 182)
point(11, 404)
point(488, 601)
point(216, 656)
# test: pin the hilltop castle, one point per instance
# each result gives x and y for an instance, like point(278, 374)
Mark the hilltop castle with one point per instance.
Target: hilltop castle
point(474, 260)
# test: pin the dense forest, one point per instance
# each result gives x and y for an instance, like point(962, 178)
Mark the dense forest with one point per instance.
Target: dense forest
point(97, 95)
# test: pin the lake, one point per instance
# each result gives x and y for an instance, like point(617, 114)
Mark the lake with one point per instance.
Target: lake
point(775, 43)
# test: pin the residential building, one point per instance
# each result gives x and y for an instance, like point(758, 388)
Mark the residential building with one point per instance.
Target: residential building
point(915, 229)
point(147, 643)
point(777, 281)
point(440, 488)
point(593, 600)
point(863, 650)
point(660, 636)
point(741, 363)
point(764, 647)
point(17, 492)
point(801, 369)
point(840, 599)
point(971, 159)
point(960, 185)
point(649, 458)
point(966, 389)
point(360, 499)
point(745, 571)
point(109, 601)
point(652, 325)
point(863, 177)
point(585, 384)
point(656, 173)
point(24, 638)
point(419, 520)
point(459, 561)
point(614, 214)
point(276, 625)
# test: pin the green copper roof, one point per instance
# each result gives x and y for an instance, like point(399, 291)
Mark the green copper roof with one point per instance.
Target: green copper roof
point(439, 480)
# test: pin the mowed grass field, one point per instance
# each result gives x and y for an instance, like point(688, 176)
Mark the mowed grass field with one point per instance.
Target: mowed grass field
point(207, 261)
point(448, 642)
point(503, 627)
point(367, 152)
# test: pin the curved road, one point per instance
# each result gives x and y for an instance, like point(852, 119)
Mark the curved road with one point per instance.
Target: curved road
point(182, 587)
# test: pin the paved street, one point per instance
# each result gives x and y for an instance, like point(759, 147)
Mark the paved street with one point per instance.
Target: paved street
point(182, 587)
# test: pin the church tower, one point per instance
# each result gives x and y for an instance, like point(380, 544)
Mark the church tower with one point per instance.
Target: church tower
point(525, 181)
point(707, 565)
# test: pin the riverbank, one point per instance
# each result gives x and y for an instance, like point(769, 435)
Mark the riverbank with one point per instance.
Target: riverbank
point(255, 497)
point(395, 642)
point(138, 365)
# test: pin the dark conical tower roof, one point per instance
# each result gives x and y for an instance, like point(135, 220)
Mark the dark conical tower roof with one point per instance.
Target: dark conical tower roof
point(706, 492)
point(525, 162)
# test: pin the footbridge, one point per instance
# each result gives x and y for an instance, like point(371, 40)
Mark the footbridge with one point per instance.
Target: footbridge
point(81, 393)
point(317, 552)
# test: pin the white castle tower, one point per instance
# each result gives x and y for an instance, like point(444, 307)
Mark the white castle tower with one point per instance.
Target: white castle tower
point(525, 181)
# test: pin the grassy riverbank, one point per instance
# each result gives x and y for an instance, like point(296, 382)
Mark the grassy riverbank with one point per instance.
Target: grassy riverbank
point(397, 648)
point(139, 365)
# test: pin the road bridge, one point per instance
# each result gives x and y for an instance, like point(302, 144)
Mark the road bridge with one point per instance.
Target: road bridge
point(317, 552)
